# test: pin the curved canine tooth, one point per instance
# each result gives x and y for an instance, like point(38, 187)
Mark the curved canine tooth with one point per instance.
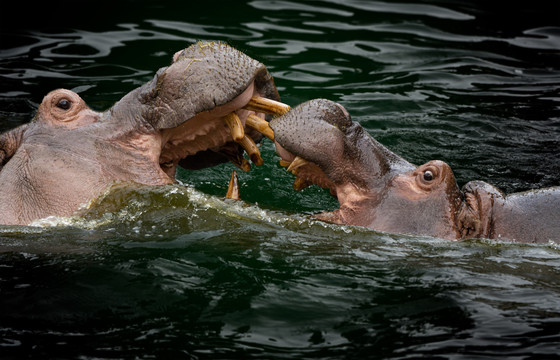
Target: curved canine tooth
point(267, 106)
point(235, 126)
point(260, 125)
point(296, 163)
point(252, 150)
point(233, 187)
point(300, 184)
point(240, 162)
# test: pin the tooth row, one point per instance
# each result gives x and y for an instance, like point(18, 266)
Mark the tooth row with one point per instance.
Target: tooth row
point(257, 104)
point(300, 184)
point(293, 166)
point(297, 163)
point(239, 161)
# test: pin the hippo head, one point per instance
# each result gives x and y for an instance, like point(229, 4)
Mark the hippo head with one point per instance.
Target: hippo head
point(321, 145)
point(200, 111)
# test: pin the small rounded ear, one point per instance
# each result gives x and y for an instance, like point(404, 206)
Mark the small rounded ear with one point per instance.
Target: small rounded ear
point(9, 143)
point(474, 219)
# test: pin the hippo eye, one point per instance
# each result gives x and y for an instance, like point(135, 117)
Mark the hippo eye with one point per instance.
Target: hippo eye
point(428, 175)
point(63, 104)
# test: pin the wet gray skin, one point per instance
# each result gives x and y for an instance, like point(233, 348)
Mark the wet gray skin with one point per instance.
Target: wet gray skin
point(69, 154)
point(380, 190)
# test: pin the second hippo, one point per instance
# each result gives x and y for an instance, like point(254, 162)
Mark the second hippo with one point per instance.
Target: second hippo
point(378, 189)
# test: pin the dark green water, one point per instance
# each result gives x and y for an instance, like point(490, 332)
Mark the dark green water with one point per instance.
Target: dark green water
point(179, 272)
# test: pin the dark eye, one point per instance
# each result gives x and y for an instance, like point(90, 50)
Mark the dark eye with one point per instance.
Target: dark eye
point(428, 176)
point(63, 104)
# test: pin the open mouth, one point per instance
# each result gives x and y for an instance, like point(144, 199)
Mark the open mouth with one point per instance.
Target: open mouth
point(310, 139)
point(211, 106)
point(226, 132)
point(307, 172)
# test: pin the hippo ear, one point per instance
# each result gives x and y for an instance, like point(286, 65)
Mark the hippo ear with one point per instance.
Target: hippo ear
point(475, 216)
point(9, 143)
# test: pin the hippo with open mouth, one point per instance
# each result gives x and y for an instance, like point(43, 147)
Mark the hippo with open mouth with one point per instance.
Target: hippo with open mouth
point(376, 188)
point(208, 107)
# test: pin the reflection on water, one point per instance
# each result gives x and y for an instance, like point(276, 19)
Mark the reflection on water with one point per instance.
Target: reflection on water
point(181, 272)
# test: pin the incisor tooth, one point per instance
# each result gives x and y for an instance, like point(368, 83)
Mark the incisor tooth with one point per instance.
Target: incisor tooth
point(300, 184)
point(296, 163)
point(233, 187)
point(245, 165)
point(260, 125)
point(235, 126)
point(252, 150)
point(267, 106)
point(240, 162)
point(285, 163)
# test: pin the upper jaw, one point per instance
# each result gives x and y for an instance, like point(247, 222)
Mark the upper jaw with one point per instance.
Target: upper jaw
point(349, 193)
point(321, 145)
point(222, 134)
point(302, 137)
point(212, 101)
point(307, 172)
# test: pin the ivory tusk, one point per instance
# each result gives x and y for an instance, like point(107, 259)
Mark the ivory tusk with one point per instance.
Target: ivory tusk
point(267, 106)
point(235, 126)
point(260, 125)
point(233, 187)
point(252, 150)
point(296, 163)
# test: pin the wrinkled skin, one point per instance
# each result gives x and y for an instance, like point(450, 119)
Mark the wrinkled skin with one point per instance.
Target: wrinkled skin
point(69, 154)
point(380, 190)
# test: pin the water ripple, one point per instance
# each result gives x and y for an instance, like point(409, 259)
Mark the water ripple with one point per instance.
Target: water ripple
point(547, 38)
point(290, 6)
point(407, 9)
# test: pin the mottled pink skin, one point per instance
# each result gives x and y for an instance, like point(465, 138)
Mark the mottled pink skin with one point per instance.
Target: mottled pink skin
point(70, 154)
point(382, 191)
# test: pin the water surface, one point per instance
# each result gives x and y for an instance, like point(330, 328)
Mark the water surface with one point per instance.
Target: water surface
point(179, 272)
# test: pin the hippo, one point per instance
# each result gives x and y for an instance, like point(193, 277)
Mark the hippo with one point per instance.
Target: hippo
point(319, 143)
point(208, 107)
